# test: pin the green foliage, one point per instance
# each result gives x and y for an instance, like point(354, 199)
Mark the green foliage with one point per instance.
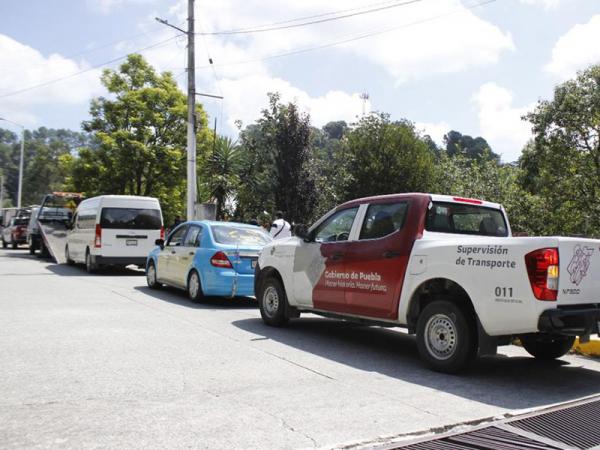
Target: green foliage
point(562, 165)
point(276, 155)
point(140, 132)
point(465, 145)
point(384, 157)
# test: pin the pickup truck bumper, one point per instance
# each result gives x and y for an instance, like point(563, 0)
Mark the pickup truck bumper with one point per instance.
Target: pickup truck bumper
point(577, 320)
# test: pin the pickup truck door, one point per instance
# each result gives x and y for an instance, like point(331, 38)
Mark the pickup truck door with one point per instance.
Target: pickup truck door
point(331, 238)
point(377, 261)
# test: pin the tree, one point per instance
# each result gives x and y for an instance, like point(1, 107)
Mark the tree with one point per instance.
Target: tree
point(276, 152)
point(141, 134)
point(384, 157)
point(221, 173)
point(563, 162)
point(472, 148)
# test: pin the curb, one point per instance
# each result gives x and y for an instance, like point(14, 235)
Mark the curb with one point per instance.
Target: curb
point(591, 348)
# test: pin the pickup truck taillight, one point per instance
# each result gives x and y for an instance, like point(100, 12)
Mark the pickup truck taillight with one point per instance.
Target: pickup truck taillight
point(542, 268)
point(98, 236)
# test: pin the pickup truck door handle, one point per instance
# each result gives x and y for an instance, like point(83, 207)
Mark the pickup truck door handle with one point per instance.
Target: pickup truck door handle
point(337, 256)
point(391, 254)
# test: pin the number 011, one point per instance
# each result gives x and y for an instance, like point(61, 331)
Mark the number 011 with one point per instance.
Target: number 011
point(503, 291)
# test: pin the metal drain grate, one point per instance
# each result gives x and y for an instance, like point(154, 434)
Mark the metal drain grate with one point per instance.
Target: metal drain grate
point(490, 438)
point(577, 426)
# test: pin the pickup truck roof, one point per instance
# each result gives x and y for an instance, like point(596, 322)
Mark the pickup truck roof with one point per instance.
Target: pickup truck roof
point(433, 197)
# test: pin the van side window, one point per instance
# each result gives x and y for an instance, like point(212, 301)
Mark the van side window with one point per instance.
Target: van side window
point(192, 238)
point(176, 238)
point(383, 219)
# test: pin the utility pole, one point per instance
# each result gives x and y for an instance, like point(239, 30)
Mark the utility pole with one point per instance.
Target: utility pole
point(191, 126)
point(20, 189)
point(364, 97)
point(1, 191)
point(191, 116)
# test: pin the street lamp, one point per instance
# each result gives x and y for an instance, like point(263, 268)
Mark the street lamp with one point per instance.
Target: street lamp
point(21, 159)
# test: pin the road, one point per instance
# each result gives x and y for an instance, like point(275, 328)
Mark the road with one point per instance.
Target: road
point(90, 361)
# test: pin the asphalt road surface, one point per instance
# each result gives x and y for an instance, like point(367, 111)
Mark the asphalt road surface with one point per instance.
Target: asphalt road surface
point(102, 361)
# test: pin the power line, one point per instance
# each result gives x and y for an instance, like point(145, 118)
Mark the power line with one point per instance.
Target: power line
point(312, 22)
point(97, 66)
point(349, 39)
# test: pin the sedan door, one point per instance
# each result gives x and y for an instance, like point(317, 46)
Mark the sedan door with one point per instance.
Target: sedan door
point(168, 254)
point(183, 258)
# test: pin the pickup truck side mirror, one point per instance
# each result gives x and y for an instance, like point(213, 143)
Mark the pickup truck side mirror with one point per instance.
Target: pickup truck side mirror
point(301, 231)
point(160, 243)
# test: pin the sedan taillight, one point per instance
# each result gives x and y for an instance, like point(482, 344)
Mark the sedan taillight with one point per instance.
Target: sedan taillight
point(220, 259)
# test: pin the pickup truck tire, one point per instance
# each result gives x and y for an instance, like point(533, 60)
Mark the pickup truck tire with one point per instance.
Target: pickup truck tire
point(272, 302)
point(547, 347)
point(446, 336)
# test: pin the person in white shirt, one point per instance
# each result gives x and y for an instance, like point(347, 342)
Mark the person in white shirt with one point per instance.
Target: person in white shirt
point(280, 228)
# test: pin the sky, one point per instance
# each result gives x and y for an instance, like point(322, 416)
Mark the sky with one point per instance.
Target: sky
point(475, 66)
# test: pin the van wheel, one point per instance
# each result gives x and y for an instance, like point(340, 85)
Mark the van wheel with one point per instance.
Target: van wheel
point(151, 278)
point(90, 266)
point(31, 248)
point(272, 302)
point(4, 244)
point(70, 262)
point(15, 245)
point(194, 287)
point(547, 347)
point(446, 337)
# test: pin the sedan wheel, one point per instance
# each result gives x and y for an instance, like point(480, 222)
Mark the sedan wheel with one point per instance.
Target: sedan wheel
point(151, 278)
point(194, 287)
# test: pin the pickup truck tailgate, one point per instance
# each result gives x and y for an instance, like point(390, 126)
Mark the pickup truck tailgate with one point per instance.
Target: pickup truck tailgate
point(579, 279)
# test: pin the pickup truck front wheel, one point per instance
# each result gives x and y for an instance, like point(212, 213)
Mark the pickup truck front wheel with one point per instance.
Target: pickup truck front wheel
point(272, 302)
point(446, 337)
point(547, 347)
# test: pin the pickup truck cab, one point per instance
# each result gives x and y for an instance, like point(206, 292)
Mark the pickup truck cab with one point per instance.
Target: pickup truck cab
point(446, 268)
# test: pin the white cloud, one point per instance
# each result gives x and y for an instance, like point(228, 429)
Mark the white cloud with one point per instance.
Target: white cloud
point(23, 66)
point(576, 49)
point(246, 97)
point(500, 122)
point(436, 131)
point(548, 4)
point(108, 6)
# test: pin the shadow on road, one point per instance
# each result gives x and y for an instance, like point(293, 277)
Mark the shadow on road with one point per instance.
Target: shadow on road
point(509, 382)
point(179, 297)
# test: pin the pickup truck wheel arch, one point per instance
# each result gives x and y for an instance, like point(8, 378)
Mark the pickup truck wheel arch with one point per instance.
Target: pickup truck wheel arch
point(437, 289)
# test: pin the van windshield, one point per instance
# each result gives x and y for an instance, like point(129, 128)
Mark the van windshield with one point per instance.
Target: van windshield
point(131, 218)
point(229, 235)
point(457, 218)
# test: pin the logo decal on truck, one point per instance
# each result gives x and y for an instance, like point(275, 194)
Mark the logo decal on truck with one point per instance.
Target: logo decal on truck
point(580, 263)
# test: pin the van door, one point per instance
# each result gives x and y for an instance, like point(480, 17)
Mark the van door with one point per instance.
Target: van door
point(129, 232)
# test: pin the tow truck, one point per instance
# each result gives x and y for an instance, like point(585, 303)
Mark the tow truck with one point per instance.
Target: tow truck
point(446, 268)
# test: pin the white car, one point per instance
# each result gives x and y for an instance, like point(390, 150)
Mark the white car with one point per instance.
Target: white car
point(114, 230)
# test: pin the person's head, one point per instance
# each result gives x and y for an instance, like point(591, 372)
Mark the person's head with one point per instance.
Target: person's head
point(279, 215)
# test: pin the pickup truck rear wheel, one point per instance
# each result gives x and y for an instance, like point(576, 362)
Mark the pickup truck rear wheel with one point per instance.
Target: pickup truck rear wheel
point(272, 302)
point(547, 347)
point(446, 337)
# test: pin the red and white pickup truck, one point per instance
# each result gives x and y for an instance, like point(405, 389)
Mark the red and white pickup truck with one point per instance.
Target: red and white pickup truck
point(446, 268)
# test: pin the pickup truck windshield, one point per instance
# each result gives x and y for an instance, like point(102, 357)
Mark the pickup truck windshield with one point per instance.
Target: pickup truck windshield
point(457, 218)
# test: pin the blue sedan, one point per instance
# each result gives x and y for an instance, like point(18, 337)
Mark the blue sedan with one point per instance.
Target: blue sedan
point(207, 259)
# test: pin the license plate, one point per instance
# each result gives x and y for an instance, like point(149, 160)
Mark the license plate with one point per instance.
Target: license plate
point(253, 263)
point(131, 242)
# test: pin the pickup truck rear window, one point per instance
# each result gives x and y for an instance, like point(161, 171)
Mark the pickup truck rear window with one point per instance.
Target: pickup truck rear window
point(456, 218)
point(130, 219)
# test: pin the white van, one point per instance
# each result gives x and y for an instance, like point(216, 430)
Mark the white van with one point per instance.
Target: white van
point(114, 230)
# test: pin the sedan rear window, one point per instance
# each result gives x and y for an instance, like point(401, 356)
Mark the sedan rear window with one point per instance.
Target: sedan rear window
point(456, 218)
point(131, 219)
point(231, 235)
